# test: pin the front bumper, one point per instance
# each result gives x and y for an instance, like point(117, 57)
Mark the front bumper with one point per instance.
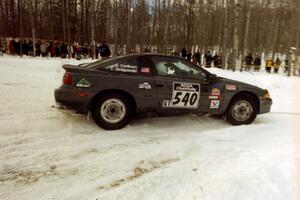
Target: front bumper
point(69, 99)
point(265, 105)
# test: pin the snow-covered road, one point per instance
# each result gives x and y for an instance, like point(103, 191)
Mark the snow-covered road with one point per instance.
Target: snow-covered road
point(46, 154)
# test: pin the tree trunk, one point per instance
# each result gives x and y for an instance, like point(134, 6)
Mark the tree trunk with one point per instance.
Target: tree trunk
point(247, 25)
point(92, 20)
point(235, 34)
point(31, 14)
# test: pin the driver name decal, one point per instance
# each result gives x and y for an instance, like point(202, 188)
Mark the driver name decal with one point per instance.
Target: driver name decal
point(185, 95)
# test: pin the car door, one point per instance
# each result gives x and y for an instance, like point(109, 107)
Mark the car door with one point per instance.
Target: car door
point(180, 85)
point(132, 75)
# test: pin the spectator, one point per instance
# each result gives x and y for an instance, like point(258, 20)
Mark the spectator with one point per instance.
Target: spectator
point(85, 50)
point(104, 50)
point(78, 52)
point(248, 61)
point(64, 50)
point(25, 47)
point(194, 60)
point(17, 47)
point(30, 48)
point(286, 66)
point(146, 50)
point(277, 65)
point(57, 49)
point(183, 52)
point(51, 49)
point(208, 59)
point(269, 65)
point(44, 49)
point(1, 48)
point(189, 55)
point(11, 47)
point(218, 61)
point(257, 63)
point(97, 52)
point(198, 57)
point(38, 49)
point(174, 52)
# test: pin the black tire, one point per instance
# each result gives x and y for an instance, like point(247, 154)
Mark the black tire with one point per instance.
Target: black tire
point(243, 109)
point(111, 112)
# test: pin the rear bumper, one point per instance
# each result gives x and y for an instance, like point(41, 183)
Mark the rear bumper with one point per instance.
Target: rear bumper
point(70, 99)
point(265, 105)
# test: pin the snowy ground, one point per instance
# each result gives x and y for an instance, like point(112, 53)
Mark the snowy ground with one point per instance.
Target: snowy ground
point(45, 154)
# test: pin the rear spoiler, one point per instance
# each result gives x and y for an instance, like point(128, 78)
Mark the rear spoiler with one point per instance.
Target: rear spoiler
point(73, 68)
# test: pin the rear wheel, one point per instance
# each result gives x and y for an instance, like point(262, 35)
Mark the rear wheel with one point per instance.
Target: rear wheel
point(111, 112)
point(242, 110)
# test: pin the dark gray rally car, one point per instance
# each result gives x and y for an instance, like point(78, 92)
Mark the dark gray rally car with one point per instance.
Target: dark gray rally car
point(116, 89)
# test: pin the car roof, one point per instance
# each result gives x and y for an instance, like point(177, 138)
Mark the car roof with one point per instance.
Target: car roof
point(91, 65)
point(144, 54)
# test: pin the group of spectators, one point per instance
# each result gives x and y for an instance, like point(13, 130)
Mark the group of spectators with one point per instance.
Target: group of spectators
point(270, 64)
point(47, 48)
point(195, 58)
point(249, 61)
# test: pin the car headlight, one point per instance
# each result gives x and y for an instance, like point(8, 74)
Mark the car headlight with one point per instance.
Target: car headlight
point(267, 94)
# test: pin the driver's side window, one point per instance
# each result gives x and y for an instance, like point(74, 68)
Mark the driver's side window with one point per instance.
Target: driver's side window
point(170, 67)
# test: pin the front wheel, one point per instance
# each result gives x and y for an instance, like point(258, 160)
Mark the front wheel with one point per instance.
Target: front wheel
point(111, 112)
point(242, 110)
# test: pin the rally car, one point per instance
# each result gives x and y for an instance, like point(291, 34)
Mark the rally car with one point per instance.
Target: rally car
point(116, 89)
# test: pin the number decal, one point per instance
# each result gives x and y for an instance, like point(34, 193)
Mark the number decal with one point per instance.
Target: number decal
point(185, 95)
point(185, 99)
point(177, 98)
point(193, 99)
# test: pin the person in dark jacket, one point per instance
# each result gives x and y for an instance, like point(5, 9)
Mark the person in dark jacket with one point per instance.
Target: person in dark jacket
point(30, 48)
point(183, 52)
point(208, 59)
point(248, 61)
point(57, 50)
point(217, 61)
point(198, 57)
point(104, 50)
point(25, 47)
point(277, 65)
point(17, 47)
point(85, 50)
point(257, 63)
point(286, 65)
point(189, 56)
point(38, 49)
point(64, 50)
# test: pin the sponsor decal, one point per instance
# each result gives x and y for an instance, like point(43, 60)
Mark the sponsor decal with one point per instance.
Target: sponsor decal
point(145, 70)
point(214, 104)
point(83, 84)
point(230, 87)
point(145, 85)
point(215, 92)
point(123, 68)
point(213, 97)
point(170, 71)
point(166, 103)
point(185, 95)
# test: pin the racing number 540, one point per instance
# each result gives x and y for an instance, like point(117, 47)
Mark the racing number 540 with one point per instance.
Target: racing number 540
point(187, 98)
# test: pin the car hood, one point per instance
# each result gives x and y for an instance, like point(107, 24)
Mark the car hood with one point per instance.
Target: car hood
point(240, 84)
